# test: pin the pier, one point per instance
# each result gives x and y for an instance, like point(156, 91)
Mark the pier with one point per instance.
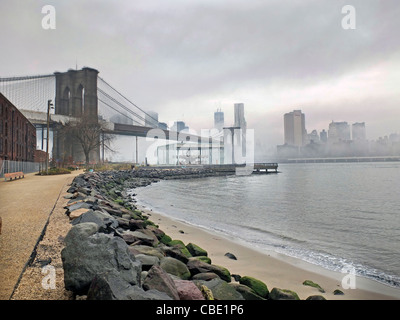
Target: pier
point(226, 169)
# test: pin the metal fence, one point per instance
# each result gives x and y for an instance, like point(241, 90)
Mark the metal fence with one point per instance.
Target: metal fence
point(7, 166)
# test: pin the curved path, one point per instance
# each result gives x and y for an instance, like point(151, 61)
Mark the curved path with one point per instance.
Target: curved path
point(25, 207)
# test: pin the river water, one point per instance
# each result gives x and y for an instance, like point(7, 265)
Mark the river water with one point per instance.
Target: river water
point(341, 216)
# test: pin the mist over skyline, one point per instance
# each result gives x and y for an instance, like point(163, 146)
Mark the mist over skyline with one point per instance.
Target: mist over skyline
point(186, 59)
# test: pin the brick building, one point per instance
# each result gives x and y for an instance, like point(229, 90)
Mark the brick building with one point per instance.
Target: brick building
point(17, 134)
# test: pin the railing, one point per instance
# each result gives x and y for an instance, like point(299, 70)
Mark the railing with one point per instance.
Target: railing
point(8, 166)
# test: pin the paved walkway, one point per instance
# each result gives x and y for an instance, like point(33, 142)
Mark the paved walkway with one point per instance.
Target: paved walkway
point(25, 206)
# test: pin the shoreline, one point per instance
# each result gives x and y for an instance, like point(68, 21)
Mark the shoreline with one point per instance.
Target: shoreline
point(274, 269)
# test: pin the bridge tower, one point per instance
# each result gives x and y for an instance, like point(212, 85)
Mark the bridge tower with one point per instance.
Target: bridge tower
point(76, 96)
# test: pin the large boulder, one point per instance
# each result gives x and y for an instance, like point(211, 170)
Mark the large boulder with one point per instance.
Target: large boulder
point(141, 237)
point(103, 219)
point(246, 292)
point(88, 254)
point(181, 246)
point(175, 267)
point(258, 286)
point(159, 280)
point(187, 290)
point(220, 289)
point(283, 294)
point(136, 249)
point(196, 266)
point(175, 253)
point(195, 250)
point(110, 286)
point(147, 261)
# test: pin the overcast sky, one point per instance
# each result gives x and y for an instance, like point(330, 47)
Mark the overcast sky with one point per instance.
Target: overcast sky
point(186, 58)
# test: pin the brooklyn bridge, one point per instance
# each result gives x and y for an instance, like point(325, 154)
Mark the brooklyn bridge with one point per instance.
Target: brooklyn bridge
point(51, 101)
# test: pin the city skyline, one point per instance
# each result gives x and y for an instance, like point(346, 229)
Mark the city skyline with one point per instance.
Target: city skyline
point(181, 60)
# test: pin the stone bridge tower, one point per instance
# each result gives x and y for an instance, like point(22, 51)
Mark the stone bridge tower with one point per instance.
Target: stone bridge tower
point(76, 95)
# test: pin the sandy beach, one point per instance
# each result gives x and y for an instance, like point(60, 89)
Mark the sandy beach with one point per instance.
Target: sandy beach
point(273, 269)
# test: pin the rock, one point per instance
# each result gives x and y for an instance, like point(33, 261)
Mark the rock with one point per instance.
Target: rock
point(258, 286)
point(313, 284)
point(158, 279)
point(205, 276)
point(135, 224)
point(195, 250)
point(166, 239)
point(147, 250)
point(338, 292)
point(196, 266)
point(78, 205)
point(230, 256)
point(156, 231)
point(86, 256)
point(175, 267)
point(181, 246)
point(122, 223)
point(203, 258)
point(80, 233)
point(109, 286)
point(187, 290)
point(283, 294)
point(207, 293)
point(246, 292)
point(135, 236)
point(316, 297)
point(147, 261)
point(77, 213)
point(112, 211)
point(102, 219)
point(174, 253)
point(236, 277)
point(221, 290)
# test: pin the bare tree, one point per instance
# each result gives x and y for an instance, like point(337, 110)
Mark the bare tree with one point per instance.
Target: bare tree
point(90, 134)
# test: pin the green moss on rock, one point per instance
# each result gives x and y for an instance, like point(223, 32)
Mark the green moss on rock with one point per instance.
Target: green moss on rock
point(204, 259)
point(313, 284)
point(195, 250)
point(258, 286)
point(181, 246)
point(166, 239)
point(283, 294)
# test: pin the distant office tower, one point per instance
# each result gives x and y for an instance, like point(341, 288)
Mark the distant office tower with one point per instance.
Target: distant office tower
point(218, 119)
point(151, 119)
point(358, 131)
point(323, 136)
point(295, 128)
point(338, 131)
point(163, 125)
point(313, 137)
point(179, 126)
point(239, 116)
point(240, 122)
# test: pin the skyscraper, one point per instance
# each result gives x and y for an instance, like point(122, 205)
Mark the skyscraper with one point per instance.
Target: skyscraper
point(239, 116)
point(295, 128)
point(218, 119)
point(358, 131)
point(240, 122)
point(338, 131)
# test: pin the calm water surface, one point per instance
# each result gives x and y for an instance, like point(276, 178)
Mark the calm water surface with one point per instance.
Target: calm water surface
point(334, 215)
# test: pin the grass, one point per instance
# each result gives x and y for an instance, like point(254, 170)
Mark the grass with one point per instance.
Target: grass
point(54, 171)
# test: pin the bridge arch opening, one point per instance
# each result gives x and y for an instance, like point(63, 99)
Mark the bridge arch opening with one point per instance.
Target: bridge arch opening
point(80, 94)
point(65, 102)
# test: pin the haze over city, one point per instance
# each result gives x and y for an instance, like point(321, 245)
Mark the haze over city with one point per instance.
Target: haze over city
point(184, 60)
